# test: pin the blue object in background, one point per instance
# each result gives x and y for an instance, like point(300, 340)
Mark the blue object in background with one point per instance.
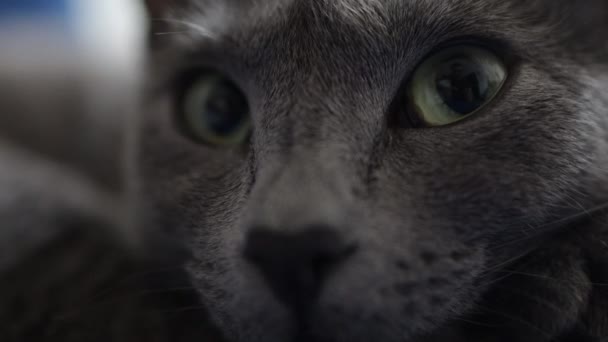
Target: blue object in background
point(21, 8)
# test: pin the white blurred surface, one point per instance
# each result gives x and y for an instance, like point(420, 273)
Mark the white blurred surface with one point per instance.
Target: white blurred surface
point(111, 31)
point(72, 94)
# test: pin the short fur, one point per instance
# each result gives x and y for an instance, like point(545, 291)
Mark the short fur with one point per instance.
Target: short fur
point(492, 229)
point(455, 226)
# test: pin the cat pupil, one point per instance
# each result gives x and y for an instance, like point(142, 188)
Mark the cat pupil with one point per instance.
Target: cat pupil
point(462, 85)
point(224, 110)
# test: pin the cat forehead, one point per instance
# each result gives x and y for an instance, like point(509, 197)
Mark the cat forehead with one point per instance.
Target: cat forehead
point(214, 18)
point(268, 8)
point(221, 18)
point(249, 25)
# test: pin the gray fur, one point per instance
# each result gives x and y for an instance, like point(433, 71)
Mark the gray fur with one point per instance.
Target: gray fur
point(486, 230)
point(435, 212)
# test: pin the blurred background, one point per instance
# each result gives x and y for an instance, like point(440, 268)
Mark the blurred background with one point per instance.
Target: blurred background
point(110, 27)
point(69, 75)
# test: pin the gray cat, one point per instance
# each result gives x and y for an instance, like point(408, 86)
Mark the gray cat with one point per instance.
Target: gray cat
point(340, 170)
point(358, 170)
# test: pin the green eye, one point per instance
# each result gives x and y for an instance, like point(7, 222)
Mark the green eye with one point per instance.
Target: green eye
point(454, 84)
point(215, 111)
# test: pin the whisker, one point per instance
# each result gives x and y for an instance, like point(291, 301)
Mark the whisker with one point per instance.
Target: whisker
point(559, 223)
point(504, 263)
point(169, 32)
point(493, 270)
point(544, 277)
point(195, 27)
point(493, 281)
point(480, 324)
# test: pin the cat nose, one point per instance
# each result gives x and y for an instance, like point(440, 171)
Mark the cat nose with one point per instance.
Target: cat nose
point(296, 265)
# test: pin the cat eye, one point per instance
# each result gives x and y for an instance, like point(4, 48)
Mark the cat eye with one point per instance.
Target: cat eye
point(454, 84)
point(214, 111)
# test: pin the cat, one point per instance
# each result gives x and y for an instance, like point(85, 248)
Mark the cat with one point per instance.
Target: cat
point(358, 170)
point(280, 144)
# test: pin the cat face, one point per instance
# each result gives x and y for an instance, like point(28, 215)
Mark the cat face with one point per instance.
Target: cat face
point(335, 204)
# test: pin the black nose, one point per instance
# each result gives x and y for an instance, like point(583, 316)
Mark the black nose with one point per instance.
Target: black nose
point(295, 265)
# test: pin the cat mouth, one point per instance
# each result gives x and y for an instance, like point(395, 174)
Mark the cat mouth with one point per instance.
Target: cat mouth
point(305, 328)
point(304, 334)
point(305, 337)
